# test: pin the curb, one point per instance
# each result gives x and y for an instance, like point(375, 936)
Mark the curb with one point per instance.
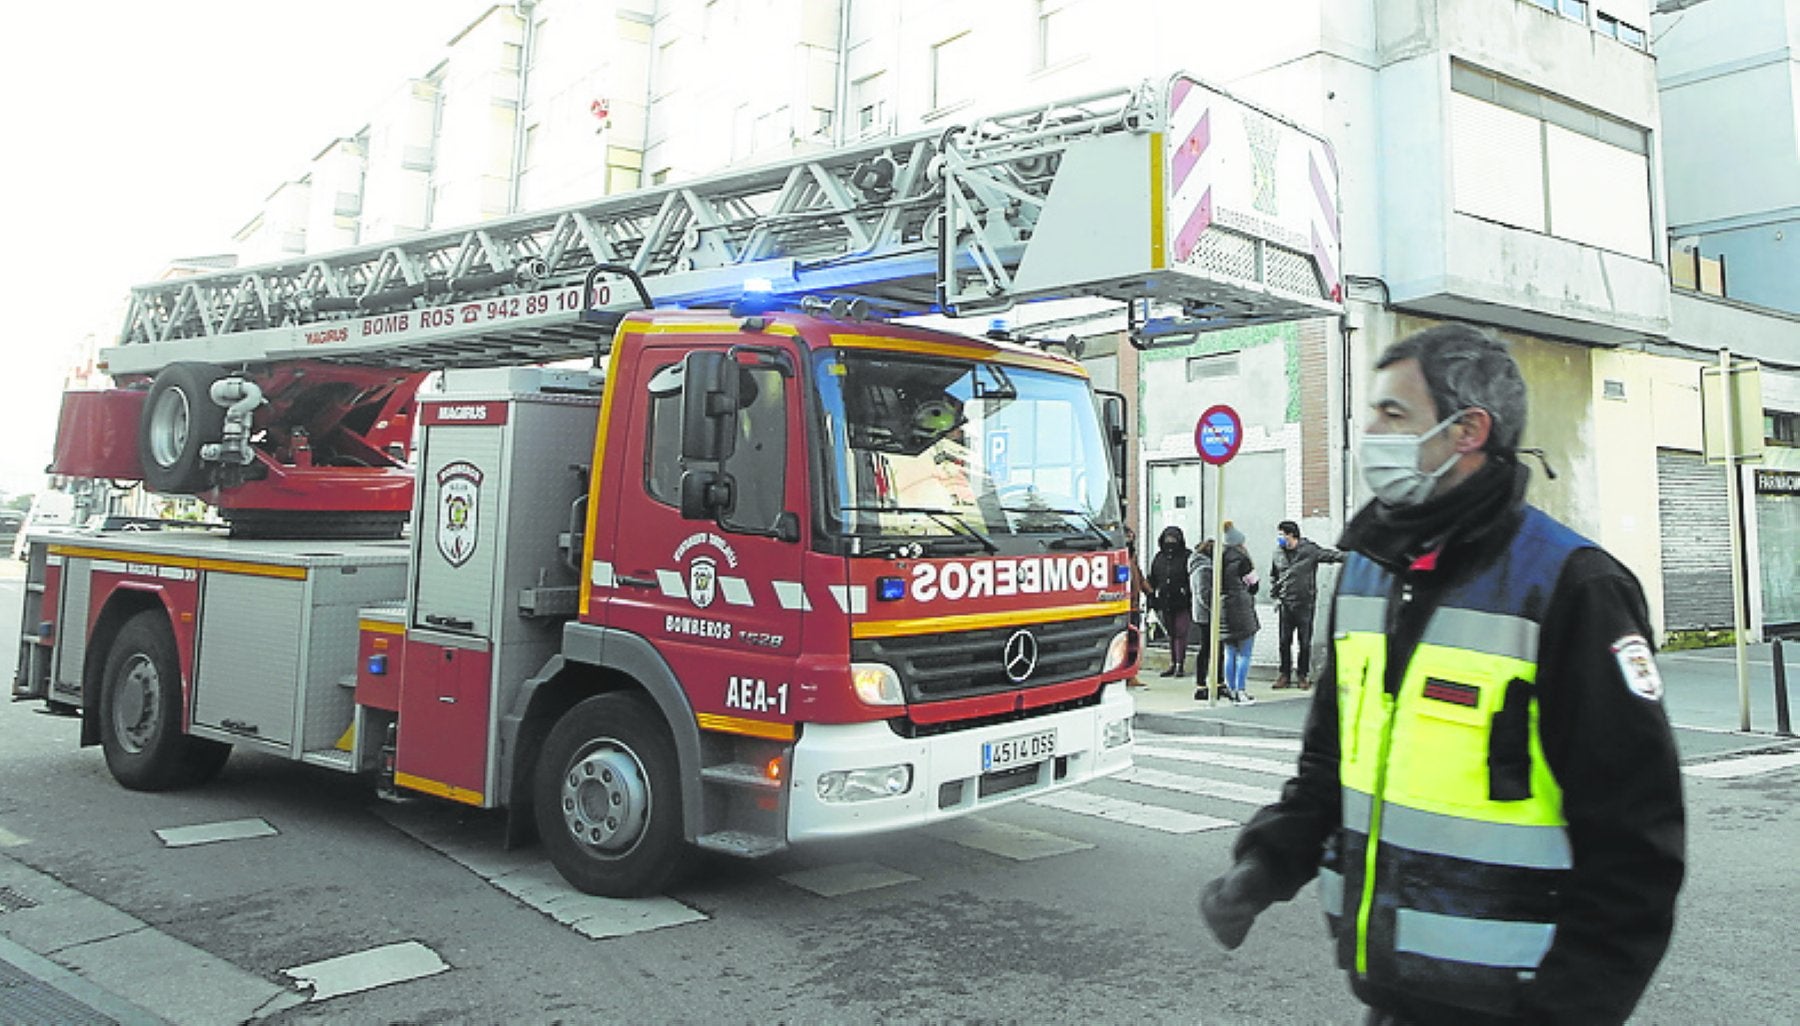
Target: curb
point(1210, 726)
point(53, 994)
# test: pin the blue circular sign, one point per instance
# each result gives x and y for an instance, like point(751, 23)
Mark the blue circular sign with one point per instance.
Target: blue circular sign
point(1218, 434)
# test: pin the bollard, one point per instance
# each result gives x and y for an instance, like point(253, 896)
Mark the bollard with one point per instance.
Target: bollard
point(1782, 725)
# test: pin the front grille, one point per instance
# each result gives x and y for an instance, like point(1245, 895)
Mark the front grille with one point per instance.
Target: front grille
point(935, 667)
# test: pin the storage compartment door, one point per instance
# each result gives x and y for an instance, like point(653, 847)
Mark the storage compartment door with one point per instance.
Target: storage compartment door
point(247, 677)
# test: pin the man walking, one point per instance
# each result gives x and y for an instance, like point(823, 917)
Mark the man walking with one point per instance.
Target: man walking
point(1294, 582)
point(1488, 788)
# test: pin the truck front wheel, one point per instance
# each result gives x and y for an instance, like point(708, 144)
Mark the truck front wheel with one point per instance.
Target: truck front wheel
point(140, 712)
point(607, 797)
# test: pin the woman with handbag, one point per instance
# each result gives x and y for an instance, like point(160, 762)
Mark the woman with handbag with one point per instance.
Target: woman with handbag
point(1237, 594)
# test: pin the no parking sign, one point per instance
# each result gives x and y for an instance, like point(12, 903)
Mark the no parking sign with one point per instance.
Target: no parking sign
point(1218, 435)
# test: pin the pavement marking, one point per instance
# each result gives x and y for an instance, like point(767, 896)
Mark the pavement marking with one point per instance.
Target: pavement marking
point(526, 876)
point(847, 878)
point(1021, 844)
point(1229, 790)
point(1225, 759)
point(1138, 814)
point(366, 970)
point(1270, 744)
point(210, 833)
point(8, 839)
point(1743, 766)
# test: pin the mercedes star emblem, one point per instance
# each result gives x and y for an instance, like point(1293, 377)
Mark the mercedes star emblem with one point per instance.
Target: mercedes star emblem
point(1020, 656)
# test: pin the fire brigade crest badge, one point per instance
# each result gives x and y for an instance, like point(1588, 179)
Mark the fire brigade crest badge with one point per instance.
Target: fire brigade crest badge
point(702, 581)
point(459, 505)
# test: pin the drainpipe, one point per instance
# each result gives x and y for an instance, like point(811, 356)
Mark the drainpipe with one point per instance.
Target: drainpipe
point(840, 117)
point(524, 9)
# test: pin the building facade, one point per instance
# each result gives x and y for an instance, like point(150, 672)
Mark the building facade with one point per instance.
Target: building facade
point(1501, 163)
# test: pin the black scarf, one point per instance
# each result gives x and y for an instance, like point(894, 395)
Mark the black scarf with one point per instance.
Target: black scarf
point(1486, 505)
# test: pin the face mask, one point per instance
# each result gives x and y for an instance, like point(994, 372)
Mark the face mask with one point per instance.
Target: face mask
point(1390, 465)
point(1281, 541)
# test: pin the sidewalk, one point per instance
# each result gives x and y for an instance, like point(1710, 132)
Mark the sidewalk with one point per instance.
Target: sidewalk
point(1167, 704)
point(35, 991)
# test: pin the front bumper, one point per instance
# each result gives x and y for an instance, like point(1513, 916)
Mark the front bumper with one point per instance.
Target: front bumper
point(947, 777)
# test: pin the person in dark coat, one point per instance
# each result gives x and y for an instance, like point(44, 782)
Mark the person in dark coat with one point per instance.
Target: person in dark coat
point(1200, 569)
point(1294, 583)
point(1488, 790)
point(1169, 595)
point(1237, 594)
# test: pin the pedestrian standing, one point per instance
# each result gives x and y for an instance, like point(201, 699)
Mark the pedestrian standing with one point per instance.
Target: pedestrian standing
point(1237, 595)
point(1294, 584)
point(1488, 789)
point(1200, 570)
point(1169, 596)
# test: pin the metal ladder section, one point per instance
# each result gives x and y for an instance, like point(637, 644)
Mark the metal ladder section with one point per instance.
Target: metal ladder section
point(927, 222)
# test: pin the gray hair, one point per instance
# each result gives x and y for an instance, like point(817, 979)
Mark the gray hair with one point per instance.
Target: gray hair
point(1464, 367)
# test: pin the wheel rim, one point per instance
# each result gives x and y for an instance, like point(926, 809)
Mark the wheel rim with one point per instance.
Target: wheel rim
point(169, 423)
point(137, 704)
point(606, 799)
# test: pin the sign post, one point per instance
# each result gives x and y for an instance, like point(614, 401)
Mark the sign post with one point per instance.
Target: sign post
point(1217, 437)
point(1737, 390)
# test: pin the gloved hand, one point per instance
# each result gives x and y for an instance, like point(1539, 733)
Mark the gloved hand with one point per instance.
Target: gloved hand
point(1231, 903)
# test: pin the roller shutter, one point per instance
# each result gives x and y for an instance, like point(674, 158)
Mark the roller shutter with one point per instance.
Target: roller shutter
point(1696, 541)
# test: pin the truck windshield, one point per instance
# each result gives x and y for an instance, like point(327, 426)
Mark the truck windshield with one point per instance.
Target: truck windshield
point(957, 456)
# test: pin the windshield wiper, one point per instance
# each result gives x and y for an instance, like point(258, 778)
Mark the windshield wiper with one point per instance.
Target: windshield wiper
point(942, 517)
point(1086, 542)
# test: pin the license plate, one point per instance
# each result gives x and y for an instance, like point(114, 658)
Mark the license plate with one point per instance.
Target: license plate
point(1018, 751)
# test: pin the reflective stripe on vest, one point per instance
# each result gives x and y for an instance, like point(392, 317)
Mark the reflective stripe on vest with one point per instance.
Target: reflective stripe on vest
point(1448, 876)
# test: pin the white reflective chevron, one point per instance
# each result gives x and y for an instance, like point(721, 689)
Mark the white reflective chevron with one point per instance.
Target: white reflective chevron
point(600, 575)
point(851, 598)
point(672, 584)
point(736, 591)
point(792, 595)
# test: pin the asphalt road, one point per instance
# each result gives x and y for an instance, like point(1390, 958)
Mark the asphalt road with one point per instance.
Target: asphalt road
point(1077, 910)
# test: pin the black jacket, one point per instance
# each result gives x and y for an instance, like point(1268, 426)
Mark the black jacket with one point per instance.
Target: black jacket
point(1613, 755)
point(1237, 597)
point(1169, 594)
point(1294, 573)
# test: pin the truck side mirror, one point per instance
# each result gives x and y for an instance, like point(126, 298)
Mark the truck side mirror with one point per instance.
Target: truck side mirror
point(706, 494)
point(1112, 420)
point(709, 406)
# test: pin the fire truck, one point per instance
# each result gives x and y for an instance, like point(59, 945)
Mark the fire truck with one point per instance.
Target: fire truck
point(649, 521)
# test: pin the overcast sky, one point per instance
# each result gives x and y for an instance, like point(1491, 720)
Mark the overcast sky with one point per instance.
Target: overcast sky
point(137, 132)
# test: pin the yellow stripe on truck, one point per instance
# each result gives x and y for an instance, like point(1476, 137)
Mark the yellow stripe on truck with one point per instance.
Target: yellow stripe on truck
point(977, 621)
point(749, 728)
point(229, 566)
point(432, 787)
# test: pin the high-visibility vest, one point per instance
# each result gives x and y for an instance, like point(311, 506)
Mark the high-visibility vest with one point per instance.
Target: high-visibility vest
point(1446, 878)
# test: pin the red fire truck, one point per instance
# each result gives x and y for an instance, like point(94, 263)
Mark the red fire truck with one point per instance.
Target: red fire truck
point(755, 576)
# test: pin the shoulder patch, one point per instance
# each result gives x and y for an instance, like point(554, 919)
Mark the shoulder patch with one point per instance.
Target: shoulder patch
point(1637, 664)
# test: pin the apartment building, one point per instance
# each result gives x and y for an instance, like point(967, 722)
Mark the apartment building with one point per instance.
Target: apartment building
point(1501, 163)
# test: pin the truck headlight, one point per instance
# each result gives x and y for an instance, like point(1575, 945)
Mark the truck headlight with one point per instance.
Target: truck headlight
point(861, 785)
point(1117, 733)
point(877, 684)
point(1118, 652)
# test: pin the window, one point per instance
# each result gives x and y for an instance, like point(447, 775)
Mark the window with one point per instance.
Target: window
point(955, 69)
point(870, 104)
point(758, 463)
point(1212, 366)
point(1633, 36)
point(1613, 28)
point(1531, 160)
point(1574, 10)
point(1057, 34)
point(1781, 428)
point(662, 437)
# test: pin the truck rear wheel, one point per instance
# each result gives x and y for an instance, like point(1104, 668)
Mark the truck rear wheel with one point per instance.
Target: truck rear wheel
point(607, 798)
point(179, 417)
point(140, 712)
